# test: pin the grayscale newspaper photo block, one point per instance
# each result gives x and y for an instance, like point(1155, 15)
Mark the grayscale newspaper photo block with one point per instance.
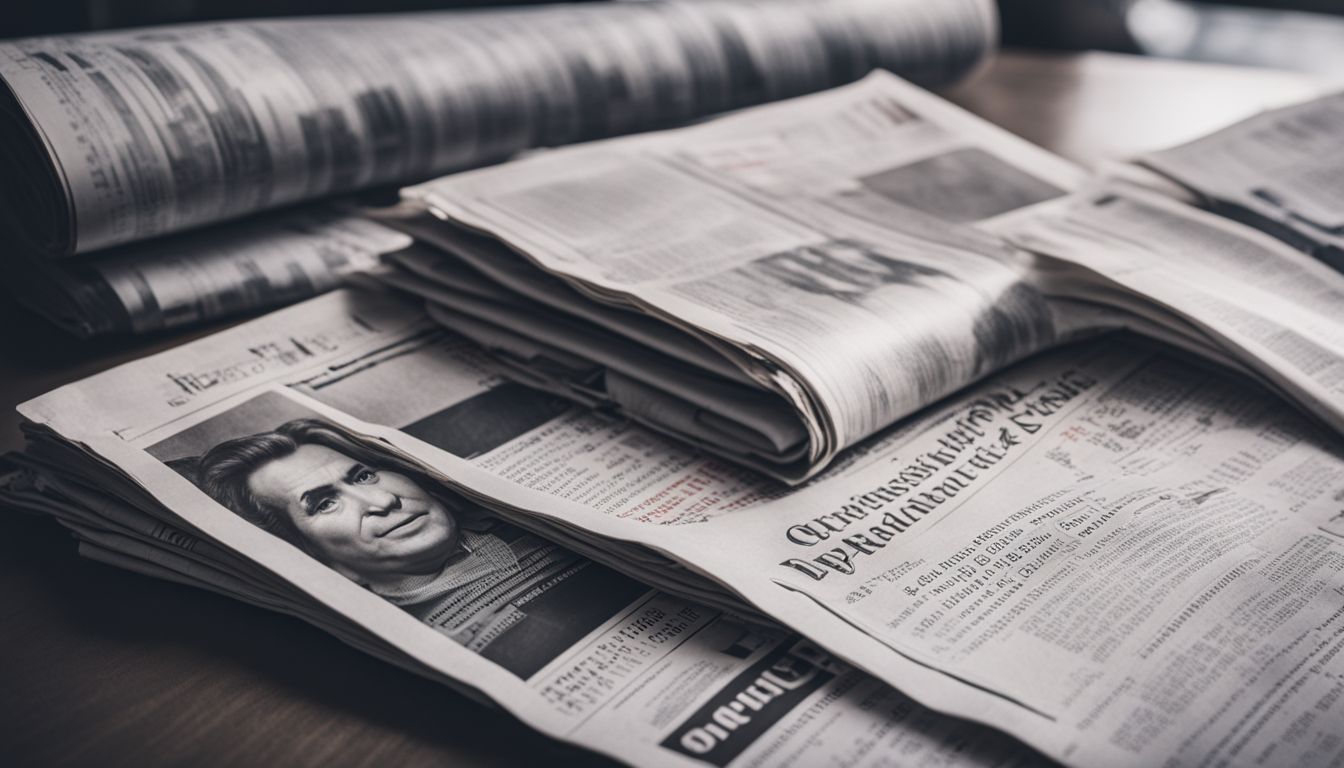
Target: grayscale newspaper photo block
point(381, 520)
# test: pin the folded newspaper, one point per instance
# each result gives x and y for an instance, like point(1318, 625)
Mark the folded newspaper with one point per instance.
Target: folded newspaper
point(777, 285)
point(113, 138)
point(268, 260)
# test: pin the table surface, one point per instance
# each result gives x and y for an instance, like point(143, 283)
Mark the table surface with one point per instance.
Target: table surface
point(100, 666)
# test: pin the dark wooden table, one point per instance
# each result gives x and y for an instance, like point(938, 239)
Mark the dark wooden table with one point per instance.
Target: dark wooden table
point(103, 667)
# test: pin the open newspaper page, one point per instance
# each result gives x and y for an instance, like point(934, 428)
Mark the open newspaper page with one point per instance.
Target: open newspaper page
point(228, 464)
point(772, 236)
point(1117, 556)
point(1121, 558)
point(1281, 171)
point(1114, 555)
point(267, 261)
point(120, 136)
point(1272, 308)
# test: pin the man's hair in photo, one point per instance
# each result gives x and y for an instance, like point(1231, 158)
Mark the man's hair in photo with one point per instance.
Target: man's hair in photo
point(224, 470)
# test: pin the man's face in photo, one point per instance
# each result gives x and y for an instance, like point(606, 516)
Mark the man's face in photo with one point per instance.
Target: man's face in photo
point(370, 524)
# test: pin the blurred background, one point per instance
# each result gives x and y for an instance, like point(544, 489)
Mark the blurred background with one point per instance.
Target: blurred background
point(1303, 35)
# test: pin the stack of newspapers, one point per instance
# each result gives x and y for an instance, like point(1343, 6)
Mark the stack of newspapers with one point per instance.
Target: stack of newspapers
point(845, 430)
point(120, 149)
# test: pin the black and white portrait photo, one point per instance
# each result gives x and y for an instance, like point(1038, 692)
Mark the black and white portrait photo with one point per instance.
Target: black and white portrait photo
point(383, 521)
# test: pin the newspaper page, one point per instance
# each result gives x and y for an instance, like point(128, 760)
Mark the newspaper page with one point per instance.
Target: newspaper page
point(1270, 307)
point(255, 470)
point(1279, 171)
point(1114, 555)
point(1117, 556)
point(781, 230)
point(119, 136)
point(264, 262)
point(1139, 559)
